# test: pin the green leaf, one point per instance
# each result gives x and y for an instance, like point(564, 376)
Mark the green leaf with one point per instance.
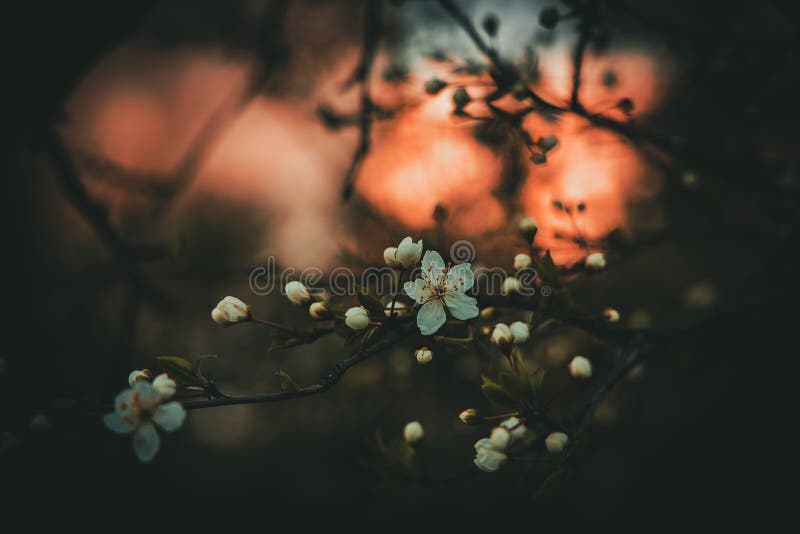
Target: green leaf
point(497, 394)
point(282, 339)
point(372, 304)
point(197, 365)
point(287, 384)
point(180, 370)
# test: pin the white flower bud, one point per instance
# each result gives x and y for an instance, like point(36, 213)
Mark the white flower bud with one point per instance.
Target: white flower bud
point(501, 335)
point(399, 308)
point(611, 315)
point(500, 438)
point(357, 318)
point(319, 311)
point(487, 458)
point(510, 285)
point(487, 312)
point(413, 432)
point(520, 332)
point(408, 253)
point(580, 368)
point(297, 293)
point(230, 310)
point(514, 426)
point(390, 256)
point(556, 442)
point(596, 261)
point(135, 376)
point(165, 386)
point(470, 416)
point(424, 355)
point(521, 261)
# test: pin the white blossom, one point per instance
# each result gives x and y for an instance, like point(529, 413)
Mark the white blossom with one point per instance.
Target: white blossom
point(580, 368)
point(501, 335)
point(500, 438)
point(520, 332)
point(230, 310)
point(357, 318)
point(611, 315)
point(510, 285)
point(408, 253)
point(556, 442)
point(487, 457)
point(137, 375)
point(137, 411)
point(297, 293)
point(522, 261)
point(515, 427)
point(596, 261)
point(413, 432)
point(165, 386)
point(319, 311)
point(424, 355)
point(440, 288)
point(390, 256)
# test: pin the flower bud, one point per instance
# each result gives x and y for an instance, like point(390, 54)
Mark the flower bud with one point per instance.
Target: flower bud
point(527, 227)
point(499, 438)
point(319, 311)
point(501, 335)
point(424, 355)
point(515, 427)
point(520, 332)
point(165, 386)
point(398, 308)
point(390, 256)
point(135, 376)
point(611, 315)
point(470, 417)
point(510, 285)
point(580, 368)
point(408, 253)
point(596, 261)
point(556, 442)
point(413, 432)
point(521, 261)
point(487, 458)
point(487, 312)
point(357, 318)
point(230, 310)
point(297, 293)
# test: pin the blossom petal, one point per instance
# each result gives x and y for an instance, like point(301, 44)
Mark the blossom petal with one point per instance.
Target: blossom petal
point(145, 395)
point(124, 405)
point(170, 416)
point(117, 423)
point(146, 442)
point(415, 290)
point(431, 317)
point(432, 262)
point(461, 277)
point(461, 306)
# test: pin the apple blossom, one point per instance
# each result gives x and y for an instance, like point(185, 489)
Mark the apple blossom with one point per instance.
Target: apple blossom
point(413, 432)
point(520, 332)
point(297, 293)
point(580, 368)
point(440, 288)
point(357, 318)
point(596, 261)
point(230, 310)
point(522, 261)
point(487, 457)
point(556, 441)
point(408, 253)
point(424, 355)
point(137, 411)
point(501, 335)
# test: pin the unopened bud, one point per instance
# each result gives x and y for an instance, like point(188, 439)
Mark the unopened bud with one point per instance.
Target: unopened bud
point(413, 432)
point(319, 311)
point(424, 355)
point(556, 442)
point(390, 256)
point(580, 368)
point(611, 315)
point(297, 293)
point(357, 318)
point(135, 376)
point(522, 261)
point(596, 261)
point(470, 417)
point(510, 285)
point(520, 332)
point(501, 335)
point(230, 310)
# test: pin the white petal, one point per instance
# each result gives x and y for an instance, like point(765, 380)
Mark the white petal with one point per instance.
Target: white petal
point(461, 277)
point(124, 405)
point(116, 423)
point(431, 317)
point(165, 386)
point(146, 442)
point(170, 416)
point(461, 306)
point(406, 241)
point(415, 291)
point(145, 395)
point(432, 262)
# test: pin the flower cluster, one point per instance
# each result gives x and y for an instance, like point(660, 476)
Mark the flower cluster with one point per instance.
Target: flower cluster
point(504, 335)
point(491, 453)
point(141, 408)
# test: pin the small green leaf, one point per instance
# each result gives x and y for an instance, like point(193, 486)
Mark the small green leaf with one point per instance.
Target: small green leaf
point(282, 339)
point(197, 365)
point(287, 384)
point(497, 394)
point(180, 370)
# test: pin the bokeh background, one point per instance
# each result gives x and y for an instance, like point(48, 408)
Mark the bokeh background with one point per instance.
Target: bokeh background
point(209, 136)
